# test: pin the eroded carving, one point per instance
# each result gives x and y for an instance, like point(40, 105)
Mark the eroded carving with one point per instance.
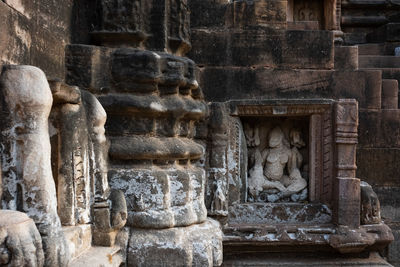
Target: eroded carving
point(80, 155)
point(275, 171)
point(370, 206)
point(20, 241)
point(25, 151)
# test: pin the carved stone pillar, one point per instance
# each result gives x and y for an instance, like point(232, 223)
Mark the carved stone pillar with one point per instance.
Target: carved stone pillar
point(216, 172)
point(153, 102)
point(346, 185)
point(80, 164)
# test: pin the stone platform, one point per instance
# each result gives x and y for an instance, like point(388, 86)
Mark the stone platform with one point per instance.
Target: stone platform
point(294, 260)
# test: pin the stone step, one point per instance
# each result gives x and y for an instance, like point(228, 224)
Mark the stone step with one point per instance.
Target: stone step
point(378, 62)
point(371, 49)
point(390, 94)
point(364, 3)
point(363, 21)
point(389, 32)
point(376, 49)
point(388, 73)
point(99, 256)
point(304, 259)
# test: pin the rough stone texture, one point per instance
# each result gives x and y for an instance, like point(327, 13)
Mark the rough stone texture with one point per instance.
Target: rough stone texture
point(20, 241)
point(79, 238)
point(254, 83)
point(264, 47)
point(35, 33)
point(154, 104)
point(275, 259)
point(175, 196)
point(394, 247)
point(346, 57)
point(155, 25)
point(241, 14)
point(99, 256)
point(196, 245)
point(370, 206)
point(27, 177)
point(80, 164)
point(261, 49)
point(276, 213)
point(332, 129)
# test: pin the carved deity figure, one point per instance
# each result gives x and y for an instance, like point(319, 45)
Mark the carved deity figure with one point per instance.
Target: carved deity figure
point(278, 166)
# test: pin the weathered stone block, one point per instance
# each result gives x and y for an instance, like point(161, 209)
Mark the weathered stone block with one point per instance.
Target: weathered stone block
point(279, 213)
point(135, 71)
point(79, 238)
point(347, 202)
point(248, 83)
point(196, 245)
point(208, 13)
point(390, 94)
point(264, 47)
point(346, 57)
point(35, 32)
point(394, 249)
point(20, 241)
point(270, 13)
point(389, 197)
point(378, 166)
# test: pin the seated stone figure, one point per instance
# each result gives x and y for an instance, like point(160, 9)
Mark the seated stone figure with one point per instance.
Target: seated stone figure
point(277, 168)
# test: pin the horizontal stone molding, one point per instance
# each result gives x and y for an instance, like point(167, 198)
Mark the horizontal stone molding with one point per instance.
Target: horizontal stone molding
point(157, 148)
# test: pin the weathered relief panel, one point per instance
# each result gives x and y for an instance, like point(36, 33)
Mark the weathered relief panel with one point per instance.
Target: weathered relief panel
point(279, 171)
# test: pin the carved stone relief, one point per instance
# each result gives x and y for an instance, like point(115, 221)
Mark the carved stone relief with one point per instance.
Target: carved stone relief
point(277, 154)
point(79, 157)
point(306, 10)
point(28, 184)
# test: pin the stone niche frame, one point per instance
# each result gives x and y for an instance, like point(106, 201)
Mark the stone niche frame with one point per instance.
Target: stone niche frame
point(331, 219)
point(320, 138)
point(329, 17)
point(332, 145)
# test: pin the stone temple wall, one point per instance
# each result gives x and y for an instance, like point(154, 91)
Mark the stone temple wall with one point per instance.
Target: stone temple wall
point(133, 55)
point(35, 32)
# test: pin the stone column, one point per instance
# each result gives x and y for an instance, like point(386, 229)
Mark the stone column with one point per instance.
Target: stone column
point(155, 160)
point(80, 159)
point(153, 103)
point(27, 179)
point(332, 14)
point(346, 185)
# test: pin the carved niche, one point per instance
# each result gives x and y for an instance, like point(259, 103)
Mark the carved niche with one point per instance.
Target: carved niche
point(277, 158)
point(316, 14)
point(282, 172)
point(288, 151)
